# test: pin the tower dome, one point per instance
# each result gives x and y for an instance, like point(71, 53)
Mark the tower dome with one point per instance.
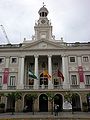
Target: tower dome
point(43, 12)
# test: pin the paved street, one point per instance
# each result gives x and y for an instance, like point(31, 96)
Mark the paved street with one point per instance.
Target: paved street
point(46, 115)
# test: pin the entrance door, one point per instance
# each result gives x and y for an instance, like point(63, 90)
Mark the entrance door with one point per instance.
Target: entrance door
point(29, 103)
point(59, 101)
point(76, 102)
point(43, 103)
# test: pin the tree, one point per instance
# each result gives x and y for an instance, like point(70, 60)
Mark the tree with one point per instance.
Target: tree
point(34, 96)
point(68, 97)
point(51, 97)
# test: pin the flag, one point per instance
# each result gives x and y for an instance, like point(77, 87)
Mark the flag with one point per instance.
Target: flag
point(59, 74)
point(31, 74)
point(45, 73)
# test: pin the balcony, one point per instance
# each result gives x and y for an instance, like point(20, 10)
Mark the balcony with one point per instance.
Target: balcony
point(74, 86)
point(58, 86)
point(42, 87)
point(11, 87)
point(87, 86)
point(28, 87)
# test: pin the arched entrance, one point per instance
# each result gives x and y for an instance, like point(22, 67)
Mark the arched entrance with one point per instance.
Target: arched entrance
point(43, 103)
point(28, 103)
point(76, 102)
point(10, 104)
point(88, 101)
point(59, 101)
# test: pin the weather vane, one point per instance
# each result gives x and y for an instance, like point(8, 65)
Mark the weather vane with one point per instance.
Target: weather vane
point(43, 4)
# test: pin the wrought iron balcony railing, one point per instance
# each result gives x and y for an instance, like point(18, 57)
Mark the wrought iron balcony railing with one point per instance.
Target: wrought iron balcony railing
point(11, 87)
point(74, 86)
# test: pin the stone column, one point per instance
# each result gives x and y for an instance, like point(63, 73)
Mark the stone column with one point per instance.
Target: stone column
point(6, 66)
point(66, 84)
point(50, 85)
point(82, 85)
point(20, 82)
point(36, 83)
point(36, 65)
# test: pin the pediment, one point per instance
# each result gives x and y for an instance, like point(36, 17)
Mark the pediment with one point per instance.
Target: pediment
point(42, 44)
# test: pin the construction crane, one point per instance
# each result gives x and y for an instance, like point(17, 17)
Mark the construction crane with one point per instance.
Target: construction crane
point(5, 34)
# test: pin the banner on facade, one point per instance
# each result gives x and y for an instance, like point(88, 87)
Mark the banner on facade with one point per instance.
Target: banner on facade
point(5, 75)
point(80, 71)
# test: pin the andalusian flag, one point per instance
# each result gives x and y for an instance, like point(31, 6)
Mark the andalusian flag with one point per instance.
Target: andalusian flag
point(32, 75)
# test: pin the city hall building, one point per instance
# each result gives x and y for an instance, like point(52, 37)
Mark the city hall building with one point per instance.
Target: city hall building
point(44, 65)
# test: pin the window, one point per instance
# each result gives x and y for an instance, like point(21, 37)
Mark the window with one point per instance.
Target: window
point(85, 59)
point(72, 59)
point(13, 60)
point(73, 79)
point(87, 77)
point(2, 60)
point(0, 80)
point(12, 81)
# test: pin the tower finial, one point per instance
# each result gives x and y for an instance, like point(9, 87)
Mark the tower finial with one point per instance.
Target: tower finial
point(43, 4)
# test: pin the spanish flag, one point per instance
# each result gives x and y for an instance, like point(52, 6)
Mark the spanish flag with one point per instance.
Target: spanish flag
point(45, 73)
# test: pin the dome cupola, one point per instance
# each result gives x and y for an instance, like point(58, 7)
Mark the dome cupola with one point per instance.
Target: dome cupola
point(43, 12)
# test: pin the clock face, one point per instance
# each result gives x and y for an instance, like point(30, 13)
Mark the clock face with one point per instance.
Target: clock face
point(43, 21)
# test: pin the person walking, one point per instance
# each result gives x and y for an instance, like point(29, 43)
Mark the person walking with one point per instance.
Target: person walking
point(56, 109)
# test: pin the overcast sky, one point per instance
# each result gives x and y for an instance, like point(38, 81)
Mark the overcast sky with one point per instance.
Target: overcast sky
point(70, 19)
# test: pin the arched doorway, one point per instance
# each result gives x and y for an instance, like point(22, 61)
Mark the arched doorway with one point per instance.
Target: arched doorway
point(59, 101)
point(76, 102)
point(43, 103)
point(28, 103)
point(88, 101)
point(10, 104)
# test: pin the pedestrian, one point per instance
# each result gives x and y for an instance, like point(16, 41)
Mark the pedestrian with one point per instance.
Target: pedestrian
point(56, 109)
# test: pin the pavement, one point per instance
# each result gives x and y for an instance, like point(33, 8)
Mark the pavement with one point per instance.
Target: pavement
point(45, 115)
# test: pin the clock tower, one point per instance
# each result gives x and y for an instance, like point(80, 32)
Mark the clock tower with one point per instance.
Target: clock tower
point(43, 28)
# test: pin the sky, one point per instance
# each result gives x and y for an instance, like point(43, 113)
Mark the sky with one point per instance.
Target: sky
point(70, 19)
